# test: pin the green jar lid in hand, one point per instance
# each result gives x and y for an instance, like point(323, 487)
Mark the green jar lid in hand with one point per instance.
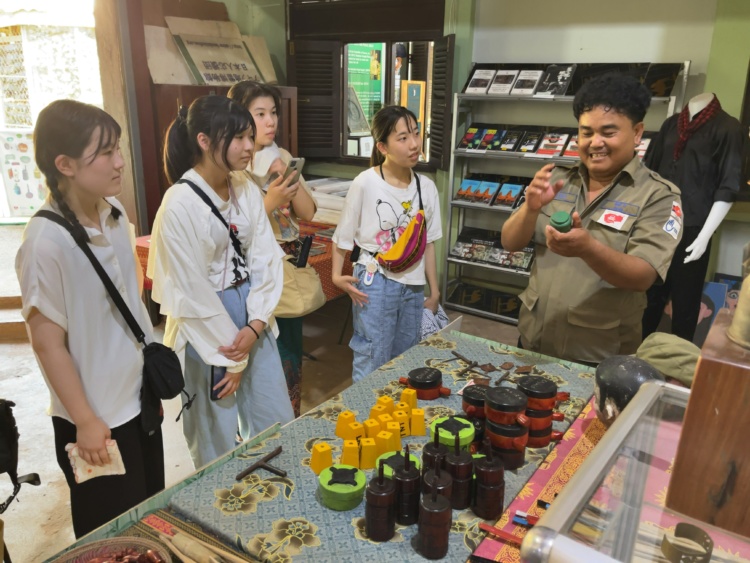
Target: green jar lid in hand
point(561, 221)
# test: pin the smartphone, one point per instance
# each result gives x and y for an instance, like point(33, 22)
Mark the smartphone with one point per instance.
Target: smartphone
point(217, 374)
point(295, 165)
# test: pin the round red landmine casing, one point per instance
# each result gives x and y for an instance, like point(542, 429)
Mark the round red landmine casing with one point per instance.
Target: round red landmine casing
point(541, 392)
point(473, 398)
point(506, 437)
point(541, 420)
point(505, 405)
point(427, 382)
point(542, 438)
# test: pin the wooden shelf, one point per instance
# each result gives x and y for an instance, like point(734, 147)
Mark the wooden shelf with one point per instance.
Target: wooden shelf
point(483, 206)
point(512, 155)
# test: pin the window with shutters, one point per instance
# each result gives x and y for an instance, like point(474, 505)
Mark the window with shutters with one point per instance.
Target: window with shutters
point(385, 52)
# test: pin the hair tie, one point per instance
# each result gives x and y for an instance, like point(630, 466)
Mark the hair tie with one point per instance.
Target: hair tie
point(182, 113)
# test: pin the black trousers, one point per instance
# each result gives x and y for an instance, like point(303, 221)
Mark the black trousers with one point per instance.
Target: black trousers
point(684, 284)
point(101, 499)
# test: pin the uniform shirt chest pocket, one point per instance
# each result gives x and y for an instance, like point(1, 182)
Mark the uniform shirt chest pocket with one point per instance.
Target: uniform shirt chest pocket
point(612, 228)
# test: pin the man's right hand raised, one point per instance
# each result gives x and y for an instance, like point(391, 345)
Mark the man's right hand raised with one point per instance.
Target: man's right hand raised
point(540, 192)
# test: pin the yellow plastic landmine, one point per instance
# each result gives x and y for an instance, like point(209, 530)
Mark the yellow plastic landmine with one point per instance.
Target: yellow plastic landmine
point(384, 442)
point(354, 431)
point(384, 419)
point(387, 402)
point(417, 425)
point(395, 429)
point(368, 453)
point(344, 420)
point(372, 427)
point(409, 396)
point(377, 410)
point(350, 453)
point(322, 457)
point(403, 420)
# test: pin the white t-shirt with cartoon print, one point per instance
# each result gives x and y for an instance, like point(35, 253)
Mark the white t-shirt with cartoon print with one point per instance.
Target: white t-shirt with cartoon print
point(376, 214)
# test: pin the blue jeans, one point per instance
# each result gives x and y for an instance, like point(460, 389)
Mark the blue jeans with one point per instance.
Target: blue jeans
point(387, 326)
point(261, 400)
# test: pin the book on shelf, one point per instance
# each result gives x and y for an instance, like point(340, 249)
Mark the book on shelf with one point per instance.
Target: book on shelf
point(480, 81)
point(493, 144)
point(661, 77)
point(526, 83)
point(510, 141)
point(530, 142)
point(640, 150)
point(487, 138)
point(571, 150)
point(472, 137)
point(469, 186)
point(487, 191)
point(503, 82)
point(556, 80)
point(485, 299)
point(507, 194)
point(552, 144)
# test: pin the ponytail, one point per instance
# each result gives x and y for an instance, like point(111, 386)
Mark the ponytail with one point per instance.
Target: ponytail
point(179, 152)
point(66, 127)
point(217, 117)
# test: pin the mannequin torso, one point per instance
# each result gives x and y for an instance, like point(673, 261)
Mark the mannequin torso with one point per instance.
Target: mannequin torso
point(698, 103)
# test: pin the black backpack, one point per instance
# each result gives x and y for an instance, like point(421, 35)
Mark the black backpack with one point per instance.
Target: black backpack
point(9, 452)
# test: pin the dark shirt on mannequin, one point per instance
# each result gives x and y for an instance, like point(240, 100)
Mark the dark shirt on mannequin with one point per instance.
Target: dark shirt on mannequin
point(709, 169)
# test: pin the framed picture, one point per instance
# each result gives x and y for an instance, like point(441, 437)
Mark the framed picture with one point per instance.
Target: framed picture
point(356, 118)
point(413, 98)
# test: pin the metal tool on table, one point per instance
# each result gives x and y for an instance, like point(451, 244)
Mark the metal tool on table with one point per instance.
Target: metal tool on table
point(263, 463)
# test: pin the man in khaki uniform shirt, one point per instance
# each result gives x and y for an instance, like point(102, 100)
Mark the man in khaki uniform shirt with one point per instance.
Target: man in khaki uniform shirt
point(586, 293)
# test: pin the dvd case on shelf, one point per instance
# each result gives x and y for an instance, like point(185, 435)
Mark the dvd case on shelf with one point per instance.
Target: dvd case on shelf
point(480, 81)
point(507, 194)
point(472, 137)
point(571, 150)
point(503, 82)
point(487, 138)
point(530, 142)
point(556, 80)
point(552, 144)
point(511, 140)
point(526, 83)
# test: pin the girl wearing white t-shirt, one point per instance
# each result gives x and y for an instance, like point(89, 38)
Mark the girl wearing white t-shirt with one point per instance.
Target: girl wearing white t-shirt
point(387, 306)
point(89, 357)
point(218, 290)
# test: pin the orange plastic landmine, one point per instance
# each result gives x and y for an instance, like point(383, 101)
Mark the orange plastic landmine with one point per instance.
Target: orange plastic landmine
point(417, 424)
point(350, 453)
point(409, 396)
point(387, 402)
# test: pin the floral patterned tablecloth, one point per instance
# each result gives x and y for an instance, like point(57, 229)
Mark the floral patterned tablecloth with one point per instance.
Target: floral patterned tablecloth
point(280, 519)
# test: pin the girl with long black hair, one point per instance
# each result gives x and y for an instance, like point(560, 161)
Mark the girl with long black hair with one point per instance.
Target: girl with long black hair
point(218, 276)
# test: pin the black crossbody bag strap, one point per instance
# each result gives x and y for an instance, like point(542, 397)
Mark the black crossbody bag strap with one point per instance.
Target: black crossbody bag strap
point(207, 200)
point(111, 289)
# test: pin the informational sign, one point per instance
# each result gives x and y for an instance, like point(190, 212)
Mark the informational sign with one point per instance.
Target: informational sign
point(25, 189)
point(365, 74)
point(221, 61)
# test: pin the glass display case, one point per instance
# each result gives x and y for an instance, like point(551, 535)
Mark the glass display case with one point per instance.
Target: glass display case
point(613, 508)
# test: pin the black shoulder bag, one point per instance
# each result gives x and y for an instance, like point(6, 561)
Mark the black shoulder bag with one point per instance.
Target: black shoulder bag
point(162, 373)
point(9, 453)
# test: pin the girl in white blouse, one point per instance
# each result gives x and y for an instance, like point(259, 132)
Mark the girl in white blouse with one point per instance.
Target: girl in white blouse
point(218, 291)
point(90, 359)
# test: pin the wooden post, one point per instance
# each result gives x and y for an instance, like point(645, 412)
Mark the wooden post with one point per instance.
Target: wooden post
point(711, 477)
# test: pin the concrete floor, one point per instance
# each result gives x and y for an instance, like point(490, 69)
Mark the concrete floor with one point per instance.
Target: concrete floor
point(38, 524)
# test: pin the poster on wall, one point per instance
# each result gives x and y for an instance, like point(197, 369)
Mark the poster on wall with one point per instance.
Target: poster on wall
point(24, 185)
point(365, 75)
point(220, 61)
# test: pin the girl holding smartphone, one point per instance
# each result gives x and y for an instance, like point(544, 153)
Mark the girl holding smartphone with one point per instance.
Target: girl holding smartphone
point(285, 207)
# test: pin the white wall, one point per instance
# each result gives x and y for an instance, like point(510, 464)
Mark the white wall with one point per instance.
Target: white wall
point(550, 31)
